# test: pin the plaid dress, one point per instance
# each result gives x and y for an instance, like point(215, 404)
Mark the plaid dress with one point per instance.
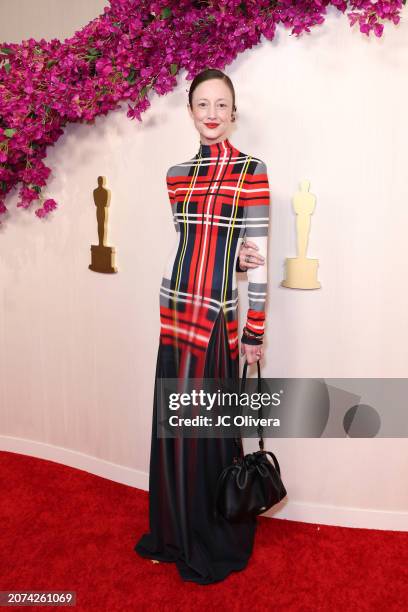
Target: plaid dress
point(217, 198)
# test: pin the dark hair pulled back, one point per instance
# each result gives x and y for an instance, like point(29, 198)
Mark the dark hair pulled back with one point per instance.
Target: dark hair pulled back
point(206, 75)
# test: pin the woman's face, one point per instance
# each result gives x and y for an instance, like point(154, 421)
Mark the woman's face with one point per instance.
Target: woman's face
point(212, 104)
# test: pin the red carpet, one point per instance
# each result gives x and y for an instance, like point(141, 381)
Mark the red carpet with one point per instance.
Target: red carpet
point(65, 529)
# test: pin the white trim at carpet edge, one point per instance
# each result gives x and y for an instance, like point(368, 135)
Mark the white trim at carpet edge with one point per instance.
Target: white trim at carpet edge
point(291, 510)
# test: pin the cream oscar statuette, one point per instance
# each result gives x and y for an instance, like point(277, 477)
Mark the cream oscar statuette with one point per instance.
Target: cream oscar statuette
point(301, 271)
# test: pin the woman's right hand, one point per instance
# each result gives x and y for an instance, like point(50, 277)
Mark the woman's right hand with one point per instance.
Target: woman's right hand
point(249, 250)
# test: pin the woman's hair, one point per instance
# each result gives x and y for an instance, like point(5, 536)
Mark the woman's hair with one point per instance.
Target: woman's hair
point(205, 75)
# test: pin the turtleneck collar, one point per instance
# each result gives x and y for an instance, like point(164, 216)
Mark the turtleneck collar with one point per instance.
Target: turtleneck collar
point(214, 149)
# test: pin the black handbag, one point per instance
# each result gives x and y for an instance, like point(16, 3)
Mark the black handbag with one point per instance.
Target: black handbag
point(252, 484)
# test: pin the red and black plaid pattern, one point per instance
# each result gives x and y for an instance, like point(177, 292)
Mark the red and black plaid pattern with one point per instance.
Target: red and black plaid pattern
point(217, 198)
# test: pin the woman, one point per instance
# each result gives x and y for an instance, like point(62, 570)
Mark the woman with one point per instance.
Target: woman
point(218, 198)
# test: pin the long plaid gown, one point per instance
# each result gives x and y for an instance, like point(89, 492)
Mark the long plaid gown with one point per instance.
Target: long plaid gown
point(217, 198)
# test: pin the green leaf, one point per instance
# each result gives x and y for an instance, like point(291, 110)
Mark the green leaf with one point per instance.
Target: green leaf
point(36, 188)
point(9, 132)
point(131, 76)
point(3, 185)
point(93, 54)
point(143, 92)
point(166, 12)
point(173, 69)
point(51, 63)
point(7, 67)
point(6, 51)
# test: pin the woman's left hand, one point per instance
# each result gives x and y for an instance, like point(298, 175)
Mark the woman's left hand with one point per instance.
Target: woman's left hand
point(252, 352)
point(248, 257)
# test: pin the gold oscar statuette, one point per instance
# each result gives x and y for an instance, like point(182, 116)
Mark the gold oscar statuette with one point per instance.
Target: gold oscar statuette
point(301, 271)
point(103, 257)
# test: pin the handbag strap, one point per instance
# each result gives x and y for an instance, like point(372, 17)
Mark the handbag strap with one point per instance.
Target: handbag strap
point(275, 461)
point(244, 376)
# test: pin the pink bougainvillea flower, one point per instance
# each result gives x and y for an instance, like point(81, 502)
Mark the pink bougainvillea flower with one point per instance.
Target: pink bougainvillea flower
point(46, 208)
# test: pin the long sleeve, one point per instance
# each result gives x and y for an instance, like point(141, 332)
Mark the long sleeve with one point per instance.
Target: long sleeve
point(171, 192)
point(257, 226)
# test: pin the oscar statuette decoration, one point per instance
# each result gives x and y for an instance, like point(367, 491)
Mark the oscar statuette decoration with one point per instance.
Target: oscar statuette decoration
point(301, 271)
point(102, 256)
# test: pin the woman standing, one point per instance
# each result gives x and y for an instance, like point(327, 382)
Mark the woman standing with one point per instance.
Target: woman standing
point(218, 198)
